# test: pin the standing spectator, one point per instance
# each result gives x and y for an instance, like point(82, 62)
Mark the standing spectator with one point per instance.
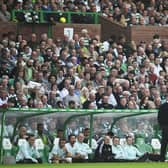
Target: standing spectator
point(163, 122)
point(33, 42)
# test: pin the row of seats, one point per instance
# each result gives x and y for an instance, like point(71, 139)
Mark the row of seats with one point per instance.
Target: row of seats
point(11, 150)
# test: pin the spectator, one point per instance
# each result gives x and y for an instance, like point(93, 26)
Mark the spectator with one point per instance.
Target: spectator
point(86, 133)
point(162, 115)
point(72, 97)
point(117, 149)
point(70, 145)
point(103, 152)
point(28, 153)
point(83, 149)
point(132, 153)
point(60, 154)
point(4, 13)
point(22, 134)
point(42, 134)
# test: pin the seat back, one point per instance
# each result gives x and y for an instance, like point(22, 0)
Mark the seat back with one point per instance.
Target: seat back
point(6, 144)
point(139, 140)
point(155, 144)
point(39, 144)
point(21, 142)
point(122, 141)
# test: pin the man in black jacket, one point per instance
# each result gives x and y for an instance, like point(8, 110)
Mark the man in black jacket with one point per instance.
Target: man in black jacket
point(163, 122)
point(103, 152)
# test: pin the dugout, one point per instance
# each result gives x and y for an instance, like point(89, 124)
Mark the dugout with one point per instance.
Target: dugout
point(141, 123)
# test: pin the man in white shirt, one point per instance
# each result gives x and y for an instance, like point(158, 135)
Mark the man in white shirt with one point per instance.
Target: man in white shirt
point(71, 148)
point(82, 149)
point(59, 153)
point(117, 149)
point(132, 153)
point(28, 153)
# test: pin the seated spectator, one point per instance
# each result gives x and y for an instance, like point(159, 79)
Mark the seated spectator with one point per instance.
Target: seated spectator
point(60, 154)
point(59, 135)
point(132, 153)
point(86, 133)
point(118, 150)
point(27, 152)
point(22, 134)
point(82, 149)
point(91, 99)
point(71, 97)
point(3, 97)
point(110, 134)
point(70, 145)
point(4, 13)
point(42, 134)
point(104, 103)
point(103, 152)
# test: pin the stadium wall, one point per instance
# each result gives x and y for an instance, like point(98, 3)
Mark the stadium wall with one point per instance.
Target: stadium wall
point(105, 29)
point(54, 30)
point(136, 33)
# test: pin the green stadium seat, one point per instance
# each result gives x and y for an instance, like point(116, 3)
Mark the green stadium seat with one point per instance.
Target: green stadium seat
point(43, 150)
point(142, 146)
point(8, 158)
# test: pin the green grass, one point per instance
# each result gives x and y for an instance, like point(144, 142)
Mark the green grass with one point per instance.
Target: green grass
point(90, 165)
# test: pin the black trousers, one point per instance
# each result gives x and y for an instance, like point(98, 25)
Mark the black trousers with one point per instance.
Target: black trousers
point(29, 161)
point(164, 142)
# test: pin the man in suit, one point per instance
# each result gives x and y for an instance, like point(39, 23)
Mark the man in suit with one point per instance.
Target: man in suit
point(163, 122)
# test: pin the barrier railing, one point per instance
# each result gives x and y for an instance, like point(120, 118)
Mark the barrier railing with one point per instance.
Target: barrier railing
point(30, 16)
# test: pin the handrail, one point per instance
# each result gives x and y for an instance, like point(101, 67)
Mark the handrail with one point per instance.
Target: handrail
point(78, 110)
point(68, 15)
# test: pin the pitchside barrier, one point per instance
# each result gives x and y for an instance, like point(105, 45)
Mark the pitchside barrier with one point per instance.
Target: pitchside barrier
point(142, 124)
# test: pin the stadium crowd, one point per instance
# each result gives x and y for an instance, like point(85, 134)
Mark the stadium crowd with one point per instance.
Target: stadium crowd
point(125, 12)
point(84, 72)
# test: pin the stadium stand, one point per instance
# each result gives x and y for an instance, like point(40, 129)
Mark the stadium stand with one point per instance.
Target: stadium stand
point(82, 69)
